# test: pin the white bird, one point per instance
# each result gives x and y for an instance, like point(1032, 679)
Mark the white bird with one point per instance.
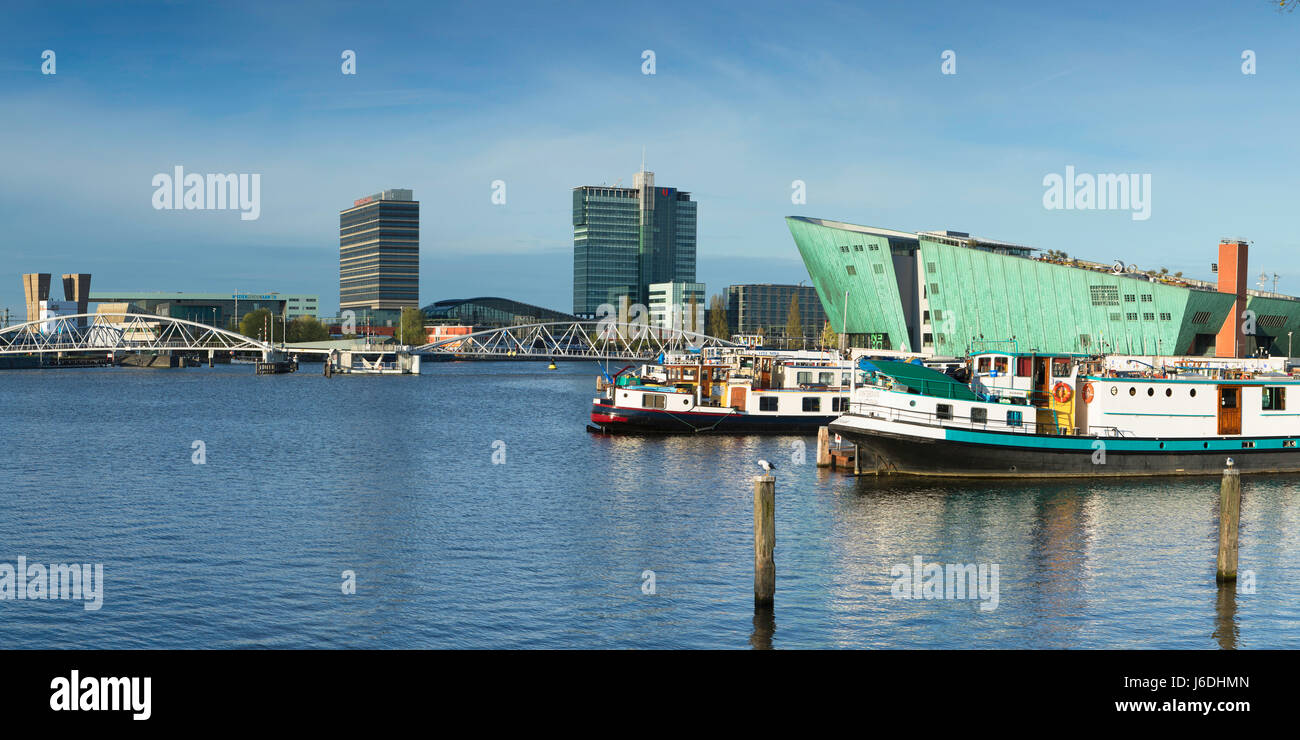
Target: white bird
point(766, 466)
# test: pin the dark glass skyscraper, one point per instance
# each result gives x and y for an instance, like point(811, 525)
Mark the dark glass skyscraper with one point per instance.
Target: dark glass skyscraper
point(379, 255)
point(624, 239)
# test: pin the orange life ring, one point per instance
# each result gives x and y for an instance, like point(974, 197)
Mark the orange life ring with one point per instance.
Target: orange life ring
point(1087, 392)
point(1062, 392)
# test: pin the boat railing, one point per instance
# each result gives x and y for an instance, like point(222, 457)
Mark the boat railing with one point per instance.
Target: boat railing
point(953, 421)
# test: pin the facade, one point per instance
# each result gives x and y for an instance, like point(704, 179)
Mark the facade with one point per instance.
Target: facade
point(625, 239)
point(36, 290)
point(945, 293)
point(379, 256)
point(490, 313)
point(214, 309)
point(670, 306)
point(765, 308)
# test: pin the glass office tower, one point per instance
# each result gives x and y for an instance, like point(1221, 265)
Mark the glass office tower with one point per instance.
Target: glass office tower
point(379, 256)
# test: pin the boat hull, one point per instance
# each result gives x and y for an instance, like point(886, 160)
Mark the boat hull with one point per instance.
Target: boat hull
point(618, 420)
point(891, 448)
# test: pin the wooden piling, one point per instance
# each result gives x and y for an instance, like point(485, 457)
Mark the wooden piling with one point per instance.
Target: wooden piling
point(823, 447)
point(857, 459)
point(1229, 522)
point(764, 540)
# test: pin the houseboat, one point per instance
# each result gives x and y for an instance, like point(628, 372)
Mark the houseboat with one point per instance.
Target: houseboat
point(738, 392)
point(1024, 414)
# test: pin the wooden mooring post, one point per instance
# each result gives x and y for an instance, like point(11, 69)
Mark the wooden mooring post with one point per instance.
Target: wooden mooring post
point(764, 540)
point(823, 447)
point(1229, 523)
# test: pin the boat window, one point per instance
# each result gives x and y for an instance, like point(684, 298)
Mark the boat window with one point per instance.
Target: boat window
point(1000, 365)
point(943, 411)
point(1060, 368)
point(1193, 392)
point(983, 366)
point(825, 378)
point(979, 416)
point(812, 403)
point(1013, 418)
point(1132, 391)
point(1274, 398)
point(767, 403)
point(1024, 367)
point(844, 379)
point(804, 377)
point(652, 400)
point(1151, 391)
point(839, 404)
point(1228, 398)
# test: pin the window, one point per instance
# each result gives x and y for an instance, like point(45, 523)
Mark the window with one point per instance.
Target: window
point(767, 403)
point(1165, 317)
point(943, 411)
point(979, 416)
point(1024, 367)
point(1085, 341)
point(1228, 398)
point(803, 378)
point(925, 317)
point(875, 247)
point(1200, 317)
point(1129, 316)
point(878, 269)
point(1148, 316)
point(927, 338)
point(857, 247)
point(825, 378)
point(934, 289)
point(1146, 298)
point(812, 403)
point(652, 400)
point(1000, 365)
point(1013, 418)
point(844, 248)
point(938, 314)
point(983, 366)
point(1060, 368)
point(1104, 295)
point(839, 404)
point(1129, 298)
point(852, 270)
point(1274, 398)
point(929, 267)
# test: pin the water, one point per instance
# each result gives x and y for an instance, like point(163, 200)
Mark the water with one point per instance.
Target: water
point(393, 478)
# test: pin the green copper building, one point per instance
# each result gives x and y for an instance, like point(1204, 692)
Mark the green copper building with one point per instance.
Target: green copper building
point(945, 293)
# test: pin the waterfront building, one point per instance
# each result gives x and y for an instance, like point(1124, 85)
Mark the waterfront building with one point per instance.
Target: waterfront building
point(946, 293)
point(379, 256)
point(490, 313)
point(36, 288)
point(214, 309)
point(625, 239)
point(765, 308)
point(671, 303)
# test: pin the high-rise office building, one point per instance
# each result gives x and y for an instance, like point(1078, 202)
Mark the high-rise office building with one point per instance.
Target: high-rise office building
point(677, 306)
point(766, 307)
point(625, 239)
point(379, 255)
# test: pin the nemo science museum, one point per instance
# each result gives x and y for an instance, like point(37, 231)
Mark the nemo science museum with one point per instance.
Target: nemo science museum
point(947, 293)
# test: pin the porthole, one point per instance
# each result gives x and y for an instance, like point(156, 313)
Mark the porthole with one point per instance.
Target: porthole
point(1132, 391)
point(1151, 391)
point(1114, 389)
point(1193, 392)
point(1162, 445)
point(1169, 392)
point(911, 403)
point(1206, 445)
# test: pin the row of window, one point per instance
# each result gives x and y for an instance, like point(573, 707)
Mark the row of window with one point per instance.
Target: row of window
point(811, 404)
point(978, 415)
point(1273, 398)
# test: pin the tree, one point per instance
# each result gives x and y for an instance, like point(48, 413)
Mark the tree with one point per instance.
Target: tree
point(718, 317)
point(410, 329)
point(829, 337)
point(793, 324)
point(307, 329)
point(256, 325)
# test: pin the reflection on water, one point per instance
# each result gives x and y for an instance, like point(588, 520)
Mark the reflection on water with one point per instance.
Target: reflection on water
point(393, 478)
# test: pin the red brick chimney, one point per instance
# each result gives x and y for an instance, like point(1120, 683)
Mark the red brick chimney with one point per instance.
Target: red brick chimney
point(1231, 341)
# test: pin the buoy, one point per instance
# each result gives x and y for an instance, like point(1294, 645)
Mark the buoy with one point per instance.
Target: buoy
point(551, 366)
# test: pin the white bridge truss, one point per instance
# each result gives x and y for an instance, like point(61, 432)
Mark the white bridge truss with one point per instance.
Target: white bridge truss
point(594, 340)
point(122, 332)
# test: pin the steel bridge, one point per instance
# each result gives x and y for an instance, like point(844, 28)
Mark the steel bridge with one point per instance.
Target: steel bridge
point(572, 340)
point(124, 332)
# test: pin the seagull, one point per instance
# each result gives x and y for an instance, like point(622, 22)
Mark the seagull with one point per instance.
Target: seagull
point(766, 466)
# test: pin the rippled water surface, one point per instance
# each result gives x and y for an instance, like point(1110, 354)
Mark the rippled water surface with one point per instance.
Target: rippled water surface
point(393, 478)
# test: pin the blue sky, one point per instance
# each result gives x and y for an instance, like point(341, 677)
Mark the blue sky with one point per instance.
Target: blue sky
point(747, 97)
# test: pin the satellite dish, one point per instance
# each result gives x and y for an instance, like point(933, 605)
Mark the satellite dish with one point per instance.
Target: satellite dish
point(1117, 268)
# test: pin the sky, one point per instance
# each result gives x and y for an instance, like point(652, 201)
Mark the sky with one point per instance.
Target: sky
point(851, 99)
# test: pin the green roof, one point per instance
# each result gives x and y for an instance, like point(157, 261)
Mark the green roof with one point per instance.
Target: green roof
point(923, 380)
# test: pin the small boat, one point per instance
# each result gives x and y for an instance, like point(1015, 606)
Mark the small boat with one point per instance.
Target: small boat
point(737, 392)
point(1026, 414)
